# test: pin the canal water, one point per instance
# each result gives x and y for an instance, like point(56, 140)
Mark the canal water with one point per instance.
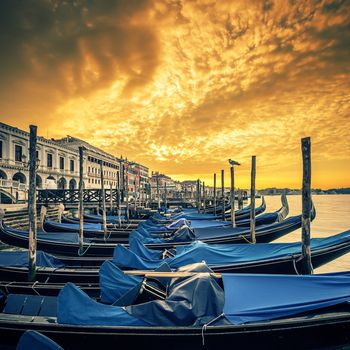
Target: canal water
point(332, 217)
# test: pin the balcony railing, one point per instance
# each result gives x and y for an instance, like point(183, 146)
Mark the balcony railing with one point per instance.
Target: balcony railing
point(4, 183)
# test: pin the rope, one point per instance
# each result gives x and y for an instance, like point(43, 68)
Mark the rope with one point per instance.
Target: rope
point(247, 240)
point(33, 285)
point(7, 285)
point(108, 236)
point(82, 253)
point(204, 328)
point(295, 267)
point(167, 254)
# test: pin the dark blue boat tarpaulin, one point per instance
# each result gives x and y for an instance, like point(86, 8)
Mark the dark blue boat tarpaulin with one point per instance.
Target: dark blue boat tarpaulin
point(177, 224)
point(191, 301)
point(66, 237)
point(217, 232)
point(20, 259)
point(123, 257)
point(208, 223)
point(136, 246)
point(114, 284)
point(76, 307)
point(32, 340)
point(220, 254)
point(183, 234)
point(253, 298)
point(112, 219)
point(87, 226)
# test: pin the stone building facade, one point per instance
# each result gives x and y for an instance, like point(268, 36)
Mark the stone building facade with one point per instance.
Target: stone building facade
point(58, 165)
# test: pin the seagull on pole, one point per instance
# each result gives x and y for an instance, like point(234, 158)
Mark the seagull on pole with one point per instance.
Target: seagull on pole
point(233, 162)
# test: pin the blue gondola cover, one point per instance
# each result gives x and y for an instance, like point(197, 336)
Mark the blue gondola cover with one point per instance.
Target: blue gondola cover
point(114, 284)
point(252, 298)
point(32, 340)
point(71, 301)
point(218, 254)
point(20, 259)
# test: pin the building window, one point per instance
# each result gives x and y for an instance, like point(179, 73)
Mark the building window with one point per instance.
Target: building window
point(18, 153)
point(72, 165)
point(61, 163)
point(0, 149)
point(49, 160)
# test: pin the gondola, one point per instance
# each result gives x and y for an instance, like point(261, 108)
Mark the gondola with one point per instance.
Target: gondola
point(239, 214)
point(273, 258)
point(249, 311)
point(242, 214)
point(96, 230)
point(124, 225)
point(68, 245)
point(112, 284)
point(90, 230)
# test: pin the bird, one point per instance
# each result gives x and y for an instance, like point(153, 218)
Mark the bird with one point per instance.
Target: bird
point(233, 162)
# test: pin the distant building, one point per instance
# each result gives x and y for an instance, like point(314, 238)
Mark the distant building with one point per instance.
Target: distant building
point(165, 184)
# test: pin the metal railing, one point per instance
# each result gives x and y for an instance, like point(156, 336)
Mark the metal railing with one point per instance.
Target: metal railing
point(49, 196)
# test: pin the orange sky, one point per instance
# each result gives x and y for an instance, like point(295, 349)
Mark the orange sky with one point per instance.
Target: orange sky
point(182, 86)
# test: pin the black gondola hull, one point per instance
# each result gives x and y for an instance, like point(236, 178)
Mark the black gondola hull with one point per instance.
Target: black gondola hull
point(325, 330)
point(286, 265)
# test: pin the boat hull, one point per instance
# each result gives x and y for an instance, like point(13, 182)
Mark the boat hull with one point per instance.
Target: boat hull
point(325, 330)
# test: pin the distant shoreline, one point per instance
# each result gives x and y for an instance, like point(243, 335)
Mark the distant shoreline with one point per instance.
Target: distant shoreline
point(279, 191)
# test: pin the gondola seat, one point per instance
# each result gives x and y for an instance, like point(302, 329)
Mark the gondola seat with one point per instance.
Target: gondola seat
point(30, 305)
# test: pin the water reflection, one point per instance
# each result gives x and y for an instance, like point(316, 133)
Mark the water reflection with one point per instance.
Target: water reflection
point(333, 216)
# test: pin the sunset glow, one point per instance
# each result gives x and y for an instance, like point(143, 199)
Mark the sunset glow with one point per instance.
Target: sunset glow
point(182, 86)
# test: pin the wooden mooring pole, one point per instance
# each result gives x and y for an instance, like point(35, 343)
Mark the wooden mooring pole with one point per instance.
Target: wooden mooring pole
point(110, 197)
point(165, 197)
point(223, 194)
point(306, 264)
point(81, 202)
point(103, 194)
point(119, 200)
point(127, 196)
point(158, 195)
point(232, 197)
point(240, 199)
point(204, 199)
point(232, 193)
point(252, 201)
point(214, 194)
point(32, 204)
point(198, 196)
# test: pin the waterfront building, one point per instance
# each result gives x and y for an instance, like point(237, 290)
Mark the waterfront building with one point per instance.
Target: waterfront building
point(93, 156)
point(58, 164)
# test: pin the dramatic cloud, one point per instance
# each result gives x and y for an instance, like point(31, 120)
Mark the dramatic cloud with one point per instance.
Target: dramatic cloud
point(184, 85)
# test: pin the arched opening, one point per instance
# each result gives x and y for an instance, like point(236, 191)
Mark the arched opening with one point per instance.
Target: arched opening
point(62, 183)
point(20, 177)
point(72, 184)
point(50, 182)
point(3, 175)
point(39, 181)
